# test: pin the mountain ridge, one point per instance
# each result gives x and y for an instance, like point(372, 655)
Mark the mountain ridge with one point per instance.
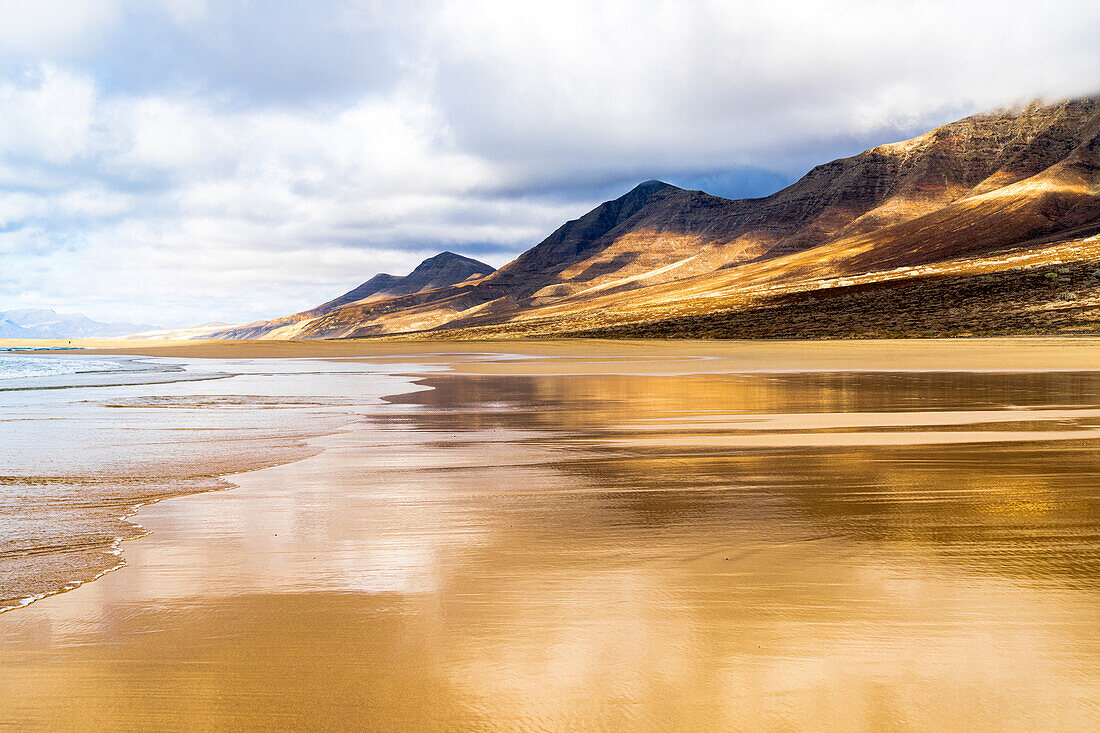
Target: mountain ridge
point(438, 271)
point(970, 188)
point(441, 270)
point(45, 323)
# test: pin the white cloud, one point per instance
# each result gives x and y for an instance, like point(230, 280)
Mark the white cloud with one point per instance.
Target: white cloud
point(186, 12)
point(211, 207)
point(579, 84)
point(47, 116)
point(191, 161)
point(53, 26)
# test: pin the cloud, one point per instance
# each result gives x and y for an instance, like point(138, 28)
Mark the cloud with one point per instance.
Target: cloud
point(54, 27)
point(175, 205)
point(185, 160)
point(553, 90)
point(47, 117)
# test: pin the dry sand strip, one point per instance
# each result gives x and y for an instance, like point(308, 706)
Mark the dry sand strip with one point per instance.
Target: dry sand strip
point(1024, 354)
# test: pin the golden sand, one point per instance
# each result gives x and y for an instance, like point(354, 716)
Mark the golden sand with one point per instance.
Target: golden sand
point(1045, 353)
point(630, 536)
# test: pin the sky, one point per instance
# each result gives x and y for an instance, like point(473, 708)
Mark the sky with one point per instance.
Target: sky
point(185, 161)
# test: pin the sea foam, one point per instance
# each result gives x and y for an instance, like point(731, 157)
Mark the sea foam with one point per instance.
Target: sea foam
point(29, 367)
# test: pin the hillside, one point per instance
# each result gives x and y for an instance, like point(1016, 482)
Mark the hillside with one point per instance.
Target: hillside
point(981, 193)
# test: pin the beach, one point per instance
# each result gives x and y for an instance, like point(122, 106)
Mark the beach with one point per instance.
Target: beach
point(555, 535)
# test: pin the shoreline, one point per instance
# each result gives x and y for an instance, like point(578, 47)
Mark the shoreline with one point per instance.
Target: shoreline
point(106, 498)
point(617, 357)
point(496, 539)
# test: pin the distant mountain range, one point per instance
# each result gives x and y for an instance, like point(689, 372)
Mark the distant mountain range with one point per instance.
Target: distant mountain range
point(985, 225)
point(34, 323)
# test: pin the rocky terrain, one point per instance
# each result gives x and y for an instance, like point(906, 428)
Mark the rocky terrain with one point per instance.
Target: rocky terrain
point(954, 231)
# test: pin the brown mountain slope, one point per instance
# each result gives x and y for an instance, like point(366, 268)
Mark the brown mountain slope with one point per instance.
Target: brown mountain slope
point(1051, 219)
point(986, 183)
point(659, 226)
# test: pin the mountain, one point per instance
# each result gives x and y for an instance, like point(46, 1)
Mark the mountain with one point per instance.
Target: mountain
point(38, 323)
point(9, 330)
point(443, 270)
point(446, 268)
point(1013, 188)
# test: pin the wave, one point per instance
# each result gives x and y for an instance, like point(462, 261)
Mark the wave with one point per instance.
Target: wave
point(23, 373)
point(29, 367)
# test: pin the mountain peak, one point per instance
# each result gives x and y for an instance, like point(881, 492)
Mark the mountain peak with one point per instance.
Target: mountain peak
point(445, 258)
point(445, 268)
point(630, 202)
point(652, 184)
point(578, 238)
point(646, 190)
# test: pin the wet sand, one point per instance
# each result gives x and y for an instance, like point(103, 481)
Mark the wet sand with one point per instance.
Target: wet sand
point(81, 453)
point(630, 538)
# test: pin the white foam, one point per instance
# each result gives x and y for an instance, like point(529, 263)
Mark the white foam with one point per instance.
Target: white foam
point(29, 367)
point(115, 550)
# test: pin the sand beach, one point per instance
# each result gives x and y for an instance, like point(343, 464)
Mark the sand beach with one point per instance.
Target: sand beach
point(556, 535)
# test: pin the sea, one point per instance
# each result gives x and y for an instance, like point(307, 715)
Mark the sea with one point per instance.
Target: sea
point(87, 439)
point(27, 367)
point(68, 368)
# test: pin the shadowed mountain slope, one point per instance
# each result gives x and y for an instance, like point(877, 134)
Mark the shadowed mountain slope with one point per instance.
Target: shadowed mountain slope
point(995, 181)
point(442, 270)
point(446, 268)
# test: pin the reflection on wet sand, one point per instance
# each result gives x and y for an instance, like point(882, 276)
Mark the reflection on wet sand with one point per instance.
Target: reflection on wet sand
point(567, 552)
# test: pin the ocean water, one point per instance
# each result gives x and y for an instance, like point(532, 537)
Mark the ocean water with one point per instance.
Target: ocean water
point(28, 367)
point(72, 370)
point(85, 440)
point(56, 529)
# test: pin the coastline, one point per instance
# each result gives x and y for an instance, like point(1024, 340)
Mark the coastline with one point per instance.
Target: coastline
point(72, 492)
point(535, 538)
point(505, 358)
